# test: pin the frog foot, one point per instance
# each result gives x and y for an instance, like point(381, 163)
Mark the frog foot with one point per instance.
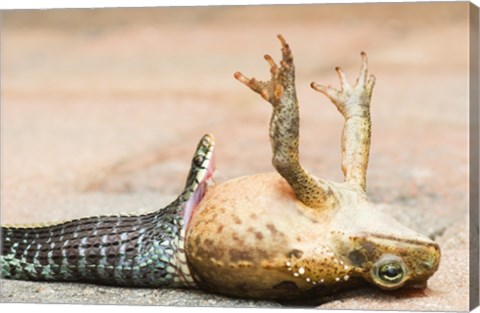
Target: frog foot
point(353, 102)
point(281, 85)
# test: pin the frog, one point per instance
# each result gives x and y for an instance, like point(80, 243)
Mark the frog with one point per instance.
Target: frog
point(283, 235)
point(288, 234)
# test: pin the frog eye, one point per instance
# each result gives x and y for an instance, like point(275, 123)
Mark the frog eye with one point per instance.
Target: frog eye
point(391, 273)
point(198, 160)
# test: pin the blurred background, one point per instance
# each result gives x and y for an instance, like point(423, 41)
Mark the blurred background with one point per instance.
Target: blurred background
point(102, 110)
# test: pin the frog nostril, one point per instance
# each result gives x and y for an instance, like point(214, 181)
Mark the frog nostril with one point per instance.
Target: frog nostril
point(427, 265)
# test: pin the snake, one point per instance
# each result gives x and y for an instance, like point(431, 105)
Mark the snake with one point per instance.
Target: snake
point(142, 250)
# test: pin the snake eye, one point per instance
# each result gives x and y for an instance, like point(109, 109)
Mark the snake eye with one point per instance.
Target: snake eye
point(198, 160)
point(391, 273)
point(205, 141)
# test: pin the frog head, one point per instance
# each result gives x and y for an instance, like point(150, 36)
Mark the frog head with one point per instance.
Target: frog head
point(390, 264)
point(384, 252)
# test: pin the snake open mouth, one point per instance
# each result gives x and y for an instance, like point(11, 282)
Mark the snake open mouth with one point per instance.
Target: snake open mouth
point(203, 169)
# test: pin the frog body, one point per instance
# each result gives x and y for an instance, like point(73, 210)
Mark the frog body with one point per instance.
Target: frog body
point(251, 237)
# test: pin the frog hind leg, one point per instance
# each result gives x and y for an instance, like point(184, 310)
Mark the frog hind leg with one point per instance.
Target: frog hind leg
point(284, 130)
point(353, 102)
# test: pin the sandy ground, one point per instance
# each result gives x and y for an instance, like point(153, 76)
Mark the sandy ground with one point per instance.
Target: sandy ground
point(101, 110)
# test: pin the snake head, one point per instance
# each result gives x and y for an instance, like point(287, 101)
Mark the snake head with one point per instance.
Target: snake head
point(201, 173)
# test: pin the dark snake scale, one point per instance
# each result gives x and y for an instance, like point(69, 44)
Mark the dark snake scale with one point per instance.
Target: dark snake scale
point(130, 250)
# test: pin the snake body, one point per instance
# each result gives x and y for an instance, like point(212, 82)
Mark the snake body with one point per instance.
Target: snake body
point(145, 250)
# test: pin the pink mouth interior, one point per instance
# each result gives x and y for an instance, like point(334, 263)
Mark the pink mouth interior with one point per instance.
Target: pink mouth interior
point(199, 193)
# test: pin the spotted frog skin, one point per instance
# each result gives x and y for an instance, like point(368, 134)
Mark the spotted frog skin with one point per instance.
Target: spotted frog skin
point(282, 235)
point(288, 234)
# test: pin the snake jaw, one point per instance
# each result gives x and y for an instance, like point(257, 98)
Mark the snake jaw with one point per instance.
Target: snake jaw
point(206, 179)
